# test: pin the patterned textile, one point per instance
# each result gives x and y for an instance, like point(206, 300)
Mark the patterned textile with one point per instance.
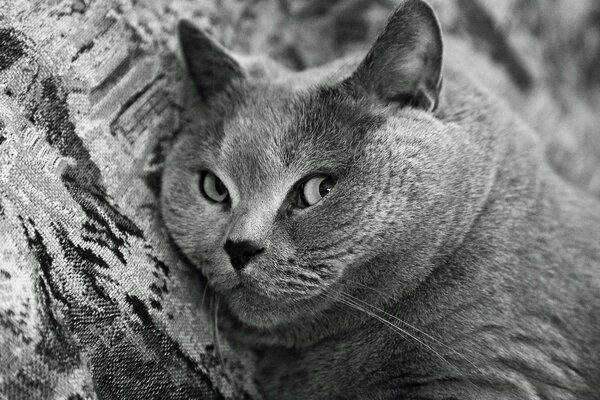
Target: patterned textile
point(94, 303)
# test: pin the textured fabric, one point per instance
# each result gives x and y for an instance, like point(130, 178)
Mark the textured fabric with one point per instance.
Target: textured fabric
point(93, 304)
point(93, 301)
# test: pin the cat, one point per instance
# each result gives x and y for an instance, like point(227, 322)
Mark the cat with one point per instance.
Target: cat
point(373, 231)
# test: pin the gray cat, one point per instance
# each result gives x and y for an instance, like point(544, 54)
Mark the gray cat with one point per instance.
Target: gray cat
point(371, 234)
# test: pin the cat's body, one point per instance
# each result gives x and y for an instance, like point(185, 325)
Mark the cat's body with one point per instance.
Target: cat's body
point(447, 224)
point(516, 304)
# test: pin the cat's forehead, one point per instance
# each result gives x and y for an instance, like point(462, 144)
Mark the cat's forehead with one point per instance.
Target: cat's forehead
point(277, 130)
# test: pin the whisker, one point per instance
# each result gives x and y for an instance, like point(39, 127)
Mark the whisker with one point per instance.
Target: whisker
point(375, 289)
point(395, 327)
point(356, 307)
point(216, 330)
point(203, 296)
point(404, 333)
point(410, 326)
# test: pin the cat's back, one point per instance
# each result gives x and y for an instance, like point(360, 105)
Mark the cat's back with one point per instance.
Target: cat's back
point(538, 239)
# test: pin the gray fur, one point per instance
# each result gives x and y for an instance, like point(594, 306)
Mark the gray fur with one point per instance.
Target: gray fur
point(450, 225)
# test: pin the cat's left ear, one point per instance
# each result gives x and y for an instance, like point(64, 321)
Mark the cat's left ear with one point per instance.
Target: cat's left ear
point(210, 66)
point(404, 66)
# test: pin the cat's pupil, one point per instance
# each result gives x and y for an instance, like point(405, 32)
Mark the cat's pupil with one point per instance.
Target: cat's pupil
point(325, 186)
point(220, 187)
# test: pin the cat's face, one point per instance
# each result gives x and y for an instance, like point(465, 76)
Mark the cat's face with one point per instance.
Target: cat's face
point(294, 195)
point(312, 180)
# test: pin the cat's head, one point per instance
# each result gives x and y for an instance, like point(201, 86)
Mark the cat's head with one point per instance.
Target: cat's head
point(283, 195)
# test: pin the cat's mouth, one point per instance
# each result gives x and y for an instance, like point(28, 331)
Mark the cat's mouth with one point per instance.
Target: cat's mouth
point(255, 309)
point(265, 282)
point(248, 298)
point(263, 306)
point(264, 294)
point(253, 288)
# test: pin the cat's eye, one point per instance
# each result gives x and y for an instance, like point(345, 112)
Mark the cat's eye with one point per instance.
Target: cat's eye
point(314, 189)
point(213, 188)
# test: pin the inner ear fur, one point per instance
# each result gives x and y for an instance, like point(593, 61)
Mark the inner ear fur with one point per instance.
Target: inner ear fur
point(404, 66)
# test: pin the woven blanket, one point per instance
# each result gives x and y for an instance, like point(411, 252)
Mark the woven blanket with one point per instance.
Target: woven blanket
point(94, 302)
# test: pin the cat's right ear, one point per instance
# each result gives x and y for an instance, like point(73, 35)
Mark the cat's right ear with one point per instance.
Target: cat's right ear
point(404, 66)
point(210, 66)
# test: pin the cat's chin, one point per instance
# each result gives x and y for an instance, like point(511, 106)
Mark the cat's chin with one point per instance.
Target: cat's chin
point(258, 311)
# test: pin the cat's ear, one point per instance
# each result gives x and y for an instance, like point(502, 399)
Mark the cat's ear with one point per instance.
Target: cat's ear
point(210, 66)
point(404, 66)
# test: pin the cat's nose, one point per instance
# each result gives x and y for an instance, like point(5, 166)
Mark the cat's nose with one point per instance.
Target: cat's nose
point(241, 253)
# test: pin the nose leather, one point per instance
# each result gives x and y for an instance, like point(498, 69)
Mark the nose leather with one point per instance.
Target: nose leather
point(242, 252)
